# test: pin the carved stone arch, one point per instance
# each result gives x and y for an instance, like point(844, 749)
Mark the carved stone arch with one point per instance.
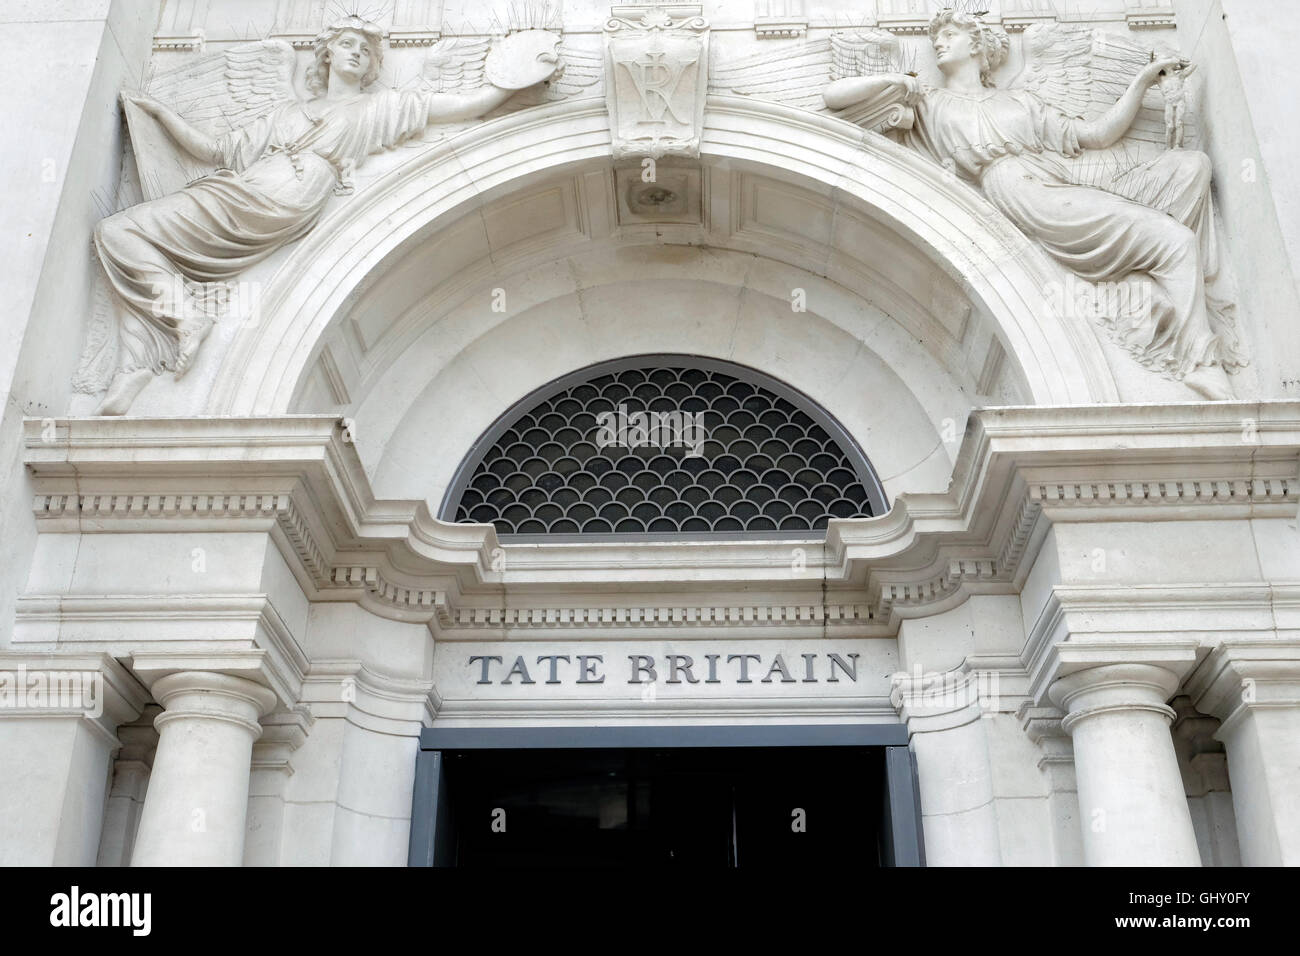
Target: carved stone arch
point(1008, 277)
point(864, 370)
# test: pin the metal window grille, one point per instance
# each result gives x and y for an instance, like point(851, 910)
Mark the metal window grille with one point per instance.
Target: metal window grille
point(664, 446)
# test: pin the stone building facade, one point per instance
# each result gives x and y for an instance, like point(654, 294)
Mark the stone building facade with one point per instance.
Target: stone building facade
point(977, 359)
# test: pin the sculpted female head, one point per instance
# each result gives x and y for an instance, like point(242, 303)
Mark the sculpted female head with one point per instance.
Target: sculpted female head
point(352, 46)
point(958, 37)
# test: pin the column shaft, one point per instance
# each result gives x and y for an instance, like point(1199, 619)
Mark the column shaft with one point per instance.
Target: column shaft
point(1131, 801)
point(197, 804)
point(1253, 686)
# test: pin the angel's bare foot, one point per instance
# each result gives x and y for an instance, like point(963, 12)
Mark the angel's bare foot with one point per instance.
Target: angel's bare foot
point(189, 345)
point(1210, 381)
point(123, 391)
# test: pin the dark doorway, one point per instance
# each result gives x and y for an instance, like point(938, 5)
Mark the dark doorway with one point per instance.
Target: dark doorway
point(692, 807)
point(747, 796)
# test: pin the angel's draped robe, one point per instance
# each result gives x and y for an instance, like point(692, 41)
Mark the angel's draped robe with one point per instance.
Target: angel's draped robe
point(1155, 219)
point(278, 173)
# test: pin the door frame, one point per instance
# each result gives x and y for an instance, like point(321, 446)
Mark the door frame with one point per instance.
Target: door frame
point(431, 829)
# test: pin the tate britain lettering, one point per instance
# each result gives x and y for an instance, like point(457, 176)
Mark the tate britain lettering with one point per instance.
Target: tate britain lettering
point(498, 434)
point(678, 668)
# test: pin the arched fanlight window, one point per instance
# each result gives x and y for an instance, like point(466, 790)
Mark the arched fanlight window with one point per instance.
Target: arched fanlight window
point(671, 446)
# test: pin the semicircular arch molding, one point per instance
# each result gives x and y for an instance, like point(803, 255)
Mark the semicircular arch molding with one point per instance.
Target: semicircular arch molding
point(1006, 277)
point(466, 368)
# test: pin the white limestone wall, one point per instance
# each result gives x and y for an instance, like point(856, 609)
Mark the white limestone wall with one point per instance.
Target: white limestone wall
point(51, 811)
point(1247, 103)
point(342, 793)
point(59, 171)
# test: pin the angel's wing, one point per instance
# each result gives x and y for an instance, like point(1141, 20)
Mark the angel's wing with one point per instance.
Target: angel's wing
point(864, 53)
point(454, 65)
point(1084, 71)
point(216, 93)
point(227, 90)
point(797, 77)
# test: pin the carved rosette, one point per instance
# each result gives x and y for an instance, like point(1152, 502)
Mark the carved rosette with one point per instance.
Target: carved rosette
point(656, 63)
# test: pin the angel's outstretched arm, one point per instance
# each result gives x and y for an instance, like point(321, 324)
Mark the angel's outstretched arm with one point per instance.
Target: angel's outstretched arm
point(853, 90)
point(198, 144)
point(455, 107)
point(1106, 130)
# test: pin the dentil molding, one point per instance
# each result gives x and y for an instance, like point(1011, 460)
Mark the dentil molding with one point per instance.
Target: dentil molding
point(298, 479)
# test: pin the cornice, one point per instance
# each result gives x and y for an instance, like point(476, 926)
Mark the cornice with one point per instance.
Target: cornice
point(1019, 469)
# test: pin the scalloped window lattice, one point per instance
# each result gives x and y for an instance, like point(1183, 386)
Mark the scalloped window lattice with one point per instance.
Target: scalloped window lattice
point(666, 449)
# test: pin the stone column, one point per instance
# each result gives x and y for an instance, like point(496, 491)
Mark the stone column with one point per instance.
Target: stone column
point(197, 804)
point(1134, 811)
point(942, 713)
point(1253, 687)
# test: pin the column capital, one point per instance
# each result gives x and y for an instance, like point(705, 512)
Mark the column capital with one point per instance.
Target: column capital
point(1112, 688)
point(1066, 657)
point(1243, 674)
point(140, 737)
point(1040, 723)
point(282, 733)
point(342, 687)
point(1043, 726)
point(936, 701)
point(254, 666)
point(212, 696)
point(1201, 754)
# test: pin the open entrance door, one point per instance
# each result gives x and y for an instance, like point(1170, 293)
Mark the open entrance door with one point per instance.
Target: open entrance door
point(676, 797)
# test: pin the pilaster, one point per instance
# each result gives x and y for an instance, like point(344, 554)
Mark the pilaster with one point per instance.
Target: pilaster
point(1253, 687)
point(59, 715)
point(372, 721)
point(943, 717)
point(283, 733)
point(1204, 766)
point(131, 771)
point(1043, 727)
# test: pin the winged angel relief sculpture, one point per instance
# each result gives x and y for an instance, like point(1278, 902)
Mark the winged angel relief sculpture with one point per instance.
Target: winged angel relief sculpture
point(261, 164)
point(1075, 156)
